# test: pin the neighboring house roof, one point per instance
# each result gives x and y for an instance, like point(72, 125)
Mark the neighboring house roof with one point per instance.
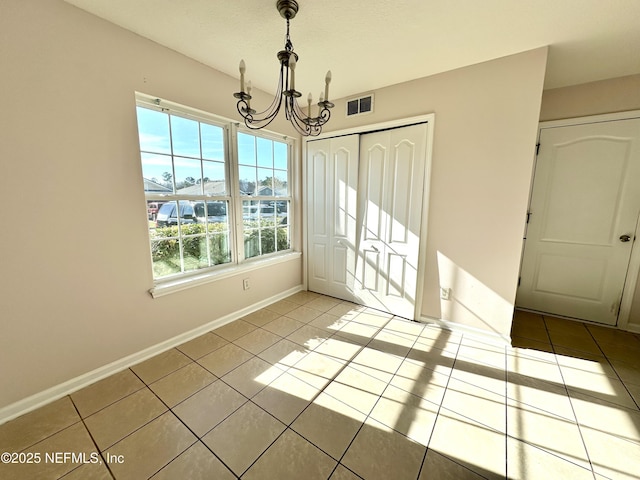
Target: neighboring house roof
point(152, 187)
point(216, 187)
point(265, 191)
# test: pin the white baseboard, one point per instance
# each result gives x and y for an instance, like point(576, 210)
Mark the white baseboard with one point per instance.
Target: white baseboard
point(493, 337)
point(49, 395)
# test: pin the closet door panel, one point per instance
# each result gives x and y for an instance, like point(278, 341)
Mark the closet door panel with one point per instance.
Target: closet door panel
point(319, 262)
point(392, 182)
point(318, 183)
point(402, 171)
point(319, 192)
point(332, 180)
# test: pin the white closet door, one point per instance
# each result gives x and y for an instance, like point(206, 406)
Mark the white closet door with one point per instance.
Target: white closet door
point(392, 171)
point(332, 184)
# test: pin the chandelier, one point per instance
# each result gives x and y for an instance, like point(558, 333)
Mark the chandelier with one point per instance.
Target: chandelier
point(286, 93)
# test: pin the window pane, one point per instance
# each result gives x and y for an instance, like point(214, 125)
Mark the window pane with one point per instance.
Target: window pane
point(219, 248)
point(186, 217)
point(214, 178)
point(280, 184)
point(212, 142)
point(188, 174)
point(265, 152)
point(166, 257)
point(258, 214)
point(153, 131)
point(282, 212)
point(267, 240)
point(153, 207)
point(251, 243)
point(194, 248)
point(280, 155)
point(283, 239)
point(185, 136)
point(250, 214)
point(267, 211)
point(247, 176)
point(168, 216)
point(157, 173)
point(265, 181)
point(246, 149)
point(212, 212)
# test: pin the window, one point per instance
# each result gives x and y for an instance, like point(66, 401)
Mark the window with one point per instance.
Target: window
point(193, 206)
point(263, 177)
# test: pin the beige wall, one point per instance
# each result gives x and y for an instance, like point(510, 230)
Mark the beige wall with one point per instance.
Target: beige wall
point(75, 267)
point(606, 96)
point(75, 261)
point(486, 119)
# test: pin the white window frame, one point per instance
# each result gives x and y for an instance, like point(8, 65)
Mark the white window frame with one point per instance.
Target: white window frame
point(236, 128)
point(238, 264)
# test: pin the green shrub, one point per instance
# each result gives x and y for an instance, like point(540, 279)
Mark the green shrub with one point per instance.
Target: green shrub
point(265, 237)
point(165, 247)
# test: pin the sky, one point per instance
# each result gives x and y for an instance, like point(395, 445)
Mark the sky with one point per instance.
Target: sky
point(198, 150)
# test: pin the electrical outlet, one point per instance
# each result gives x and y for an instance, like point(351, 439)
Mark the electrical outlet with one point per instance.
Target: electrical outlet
point(245, 284)
point(445, 293)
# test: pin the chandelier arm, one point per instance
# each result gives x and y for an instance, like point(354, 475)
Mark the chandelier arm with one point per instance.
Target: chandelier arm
point(253, 122)
point(256, 121)
point(325, 114)
point(298, 111)
point(311, 125)
point(316, 123)
point(300, 125)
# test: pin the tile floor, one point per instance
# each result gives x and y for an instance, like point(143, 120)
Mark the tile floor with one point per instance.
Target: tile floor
point(312, 387)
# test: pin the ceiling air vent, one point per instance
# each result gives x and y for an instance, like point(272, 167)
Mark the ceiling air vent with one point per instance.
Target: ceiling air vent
point(359, 106)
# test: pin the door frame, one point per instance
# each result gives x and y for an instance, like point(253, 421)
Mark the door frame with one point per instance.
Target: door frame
point(633, 269)
point(429, 119)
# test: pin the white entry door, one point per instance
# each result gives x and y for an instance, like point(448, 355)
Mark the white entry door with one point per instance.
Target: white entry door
point(584, 210)
point(390, 198)
point(332, 184)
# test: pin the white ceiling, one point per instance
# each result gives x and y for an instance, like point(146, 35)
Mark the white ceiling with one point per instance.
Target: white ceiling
point(373, 43)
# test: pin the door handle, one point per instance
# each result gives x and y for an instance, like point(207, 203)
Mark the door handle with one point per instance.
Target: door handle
point(625, 238)
point(373, 247)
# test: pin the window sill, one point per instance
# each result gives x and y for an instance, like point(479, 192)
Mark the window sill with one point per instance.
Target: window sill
point(177, 285)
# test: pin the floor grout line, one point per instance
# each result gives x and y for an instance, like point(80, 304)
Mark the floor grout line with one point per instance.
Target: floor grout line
point(459, 360)
point(95, 444)
point(584, 443)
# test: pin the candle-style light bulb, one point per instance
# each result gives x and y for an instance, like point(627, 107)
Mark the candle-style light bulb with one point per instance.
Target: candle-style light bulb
point(309, 100)
point(327, 81)
point(292, 68)
point(243, 68)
